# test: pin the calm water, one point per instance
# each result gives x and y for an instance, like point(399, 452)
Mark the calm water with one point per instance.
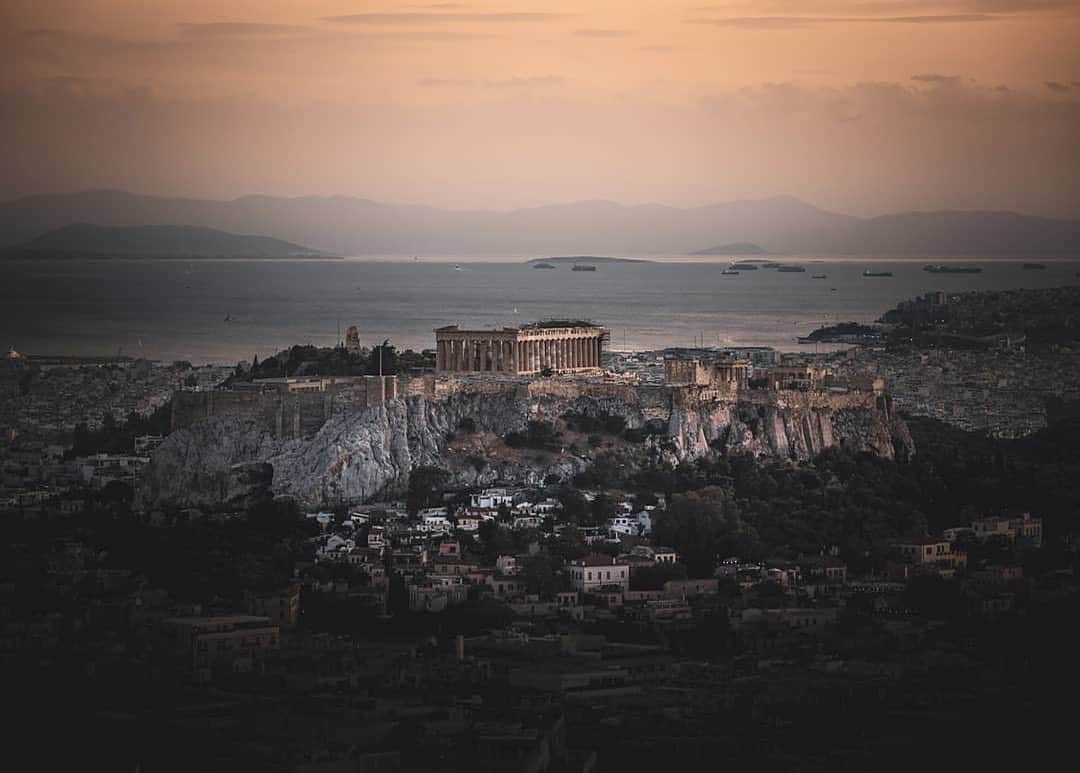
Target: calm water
point(176, 309)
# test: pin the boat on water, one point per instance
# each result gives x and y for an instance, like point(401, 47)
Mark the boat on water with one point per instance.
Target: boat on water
point(819, 276)
point(543, 265)
point(939, 268)
point(457, 267)
point(583, 267)
point(729, 272)
point(1033, 266)
point(791, 269)
point(868, 272)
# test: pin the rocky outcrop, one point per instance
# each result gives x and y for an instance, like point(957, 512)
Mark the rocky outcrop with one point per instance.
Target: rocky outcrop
point(369, 452)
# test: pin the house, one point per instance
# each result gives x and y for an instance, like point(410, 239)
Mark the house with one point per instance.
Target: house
point(665, 555)
point(597, 571)
point(933, 555)
point(449, 549)
point(282, 608)
point(491, 499)
point(238, 642)
point(1022, 527)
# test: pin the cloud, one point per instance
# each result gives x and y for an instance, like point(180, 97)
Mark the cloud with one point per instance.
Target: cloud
point(444, 82)
point(237, 29)
point(893, 8)
point(508, 17)
point(525, 82)
point(602, 33)
point(1056, 86)
point(507, 83)
point(793, 22)
point(931, 77)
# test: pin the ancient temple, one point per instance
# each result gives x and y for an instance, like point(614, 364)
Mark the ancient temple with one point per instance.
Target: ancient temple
point(555, 346)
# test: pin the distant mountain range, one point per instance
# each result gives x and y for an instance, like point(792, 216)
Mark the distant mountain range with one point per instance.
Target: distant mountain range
point(341, 225)
point(82, 240)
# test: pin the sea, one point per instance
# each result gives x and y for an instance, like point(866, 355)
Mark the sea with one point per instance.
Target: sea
point(225, 311)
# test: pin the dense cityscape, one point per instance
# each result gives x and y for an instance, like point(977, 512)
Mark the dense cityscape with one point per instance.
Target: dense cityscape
point(539, 386)
point(595, 595)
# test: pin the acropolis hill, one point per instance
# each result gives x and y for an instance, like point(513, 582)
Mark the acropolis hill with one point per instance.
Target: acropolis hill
point(350, 439)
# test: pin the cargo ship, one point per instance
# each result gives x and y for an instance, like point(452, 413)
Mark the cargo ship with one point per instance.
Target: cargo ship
point(943, 269)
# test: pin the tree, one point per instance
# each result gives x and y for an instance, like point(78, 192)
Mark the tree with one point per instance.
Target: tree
point(575, 507)
point(702, 524)
point(383, 360)
point(426, 487)
point(497, 541)
point(567, 545)
point(539, 576)
point(603, 508)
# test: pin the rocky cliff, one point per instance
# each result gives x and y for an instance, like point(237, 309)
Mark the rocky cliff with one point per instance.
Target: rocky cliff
point(369, 452)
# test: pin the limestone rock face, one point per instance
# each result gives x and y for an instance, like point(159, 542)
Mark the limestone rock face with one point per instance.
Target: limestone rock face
point(221, 465)
point(368, 453)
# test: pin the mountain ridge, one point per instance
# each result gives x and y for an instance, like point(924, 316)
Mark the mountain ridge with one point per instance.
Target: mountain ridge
point(86, 240)
point(346, 225)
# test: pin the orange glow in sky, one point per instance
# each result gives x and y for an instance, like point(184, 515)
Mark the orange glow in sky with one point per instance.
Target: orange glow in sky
point(858, 105)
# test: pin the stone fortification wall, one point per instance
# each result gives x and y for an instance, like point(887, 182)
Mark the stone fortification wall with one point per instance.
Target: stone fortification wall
point(300, 414)
point(297, 414)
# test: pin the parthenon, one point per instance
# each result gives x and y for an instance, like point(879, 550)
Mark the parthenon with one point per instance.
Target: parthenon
point(558, 347)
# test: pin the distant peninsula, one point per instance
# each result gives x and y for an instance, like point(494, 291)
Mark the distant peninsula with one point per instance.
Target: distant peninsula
point(589, 258)
point(735, 248)
point(83, 240)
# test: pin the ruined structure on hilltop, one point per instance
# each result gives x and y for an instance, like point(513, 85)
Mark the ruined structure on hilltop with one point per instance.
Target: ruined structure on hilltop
point(355, 438)
point(560, 346)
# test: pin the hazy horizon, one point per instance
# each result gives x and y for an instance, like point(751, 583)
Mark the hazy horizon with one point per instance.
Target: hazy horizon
point(495, 209)
point(857, 106)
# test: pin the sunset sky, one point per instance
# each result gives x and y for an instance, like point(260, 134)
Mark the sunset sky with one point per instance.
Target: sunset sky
point(862, 106)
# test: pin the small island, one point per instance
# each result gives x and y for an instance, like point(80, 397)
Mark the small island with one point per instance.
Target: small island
point(735, 249)
point(540, 262)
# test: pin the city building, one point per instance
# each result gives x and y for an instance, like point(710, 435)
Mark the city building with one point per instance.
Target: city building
point(237, 642)
point(596, 571)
